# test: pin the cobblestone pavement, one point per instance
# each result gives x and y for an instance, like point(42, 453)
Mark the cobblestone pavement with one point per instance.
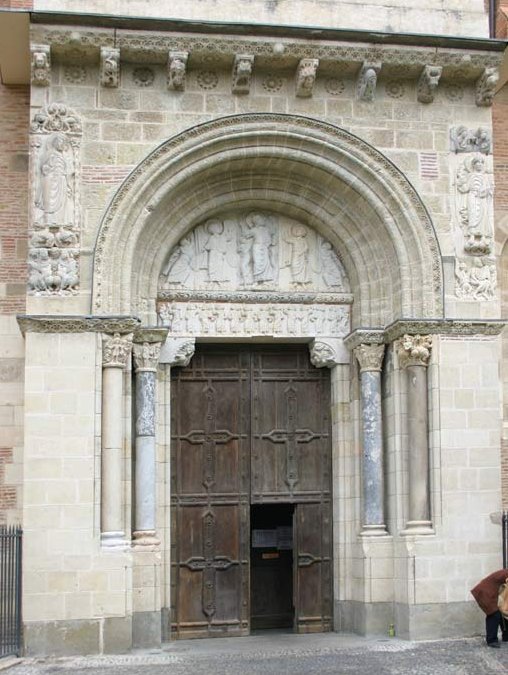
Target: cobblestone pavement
point(288, 654)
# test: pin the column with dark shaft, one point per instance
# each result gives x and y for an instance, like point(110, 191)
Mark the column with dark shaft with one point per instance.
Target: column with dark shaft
point(116, 351)
point(414, 355)
point(146, 359)
point(370, 358)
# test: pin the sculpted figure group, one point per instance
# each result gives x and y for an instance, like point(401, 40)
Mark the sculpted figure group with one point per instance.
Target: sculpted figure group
point(254, 251)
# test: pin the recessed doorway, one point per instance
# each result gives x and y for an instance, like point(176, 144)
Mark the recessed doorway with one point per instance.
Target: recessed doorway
point(271, 571)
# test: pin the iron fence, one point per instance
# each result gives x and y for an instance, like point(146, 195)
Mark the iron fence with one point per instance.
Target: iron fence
point(504, 523)
point(10, 590)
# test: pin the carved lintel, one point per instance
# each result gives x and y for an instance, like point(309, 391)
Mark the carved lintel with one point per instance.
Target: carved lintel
point(414, 350)
point(328, 352)
point(110, 67)
point(40, 65)
point(116, 350)
point(242, 73)
point(177, 70)
point(177, 351)
point(306, 77)
point(370, 357)
point(367, 81)
point(486, 86)
point(427, 84)
point(146, 356)
point(463, 139)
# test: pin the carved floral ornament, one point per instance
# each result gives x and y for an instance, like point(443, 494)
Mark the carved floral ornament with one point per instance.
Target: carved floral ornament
point(146, 356)
point(116, 350)
point(370, 357)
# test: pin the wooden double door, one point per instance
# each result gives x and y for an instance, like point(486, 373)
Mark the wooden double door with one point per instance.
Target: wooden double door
point(250, 428)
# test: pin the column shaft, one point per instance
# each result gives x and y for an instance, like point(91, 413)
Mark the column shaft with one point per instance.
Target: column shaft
point(419, 511)
point(144, 518)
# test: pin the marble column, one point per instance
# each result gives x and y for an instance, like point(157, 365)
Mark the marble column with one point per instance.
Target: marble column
point(116, 350)
point(414, 355)
point(146, 359)
point(370, 358)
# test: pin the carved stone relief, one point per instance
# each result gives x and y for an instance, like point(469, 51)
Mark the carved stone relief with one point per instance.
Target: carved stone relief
point(55, 229)
point(40, 65)
point(177, 67)
point(306, 77)
point(367, 81)
point(258, 251)
point(226, 319)
point(242, 73)
point(427, 84)
point(486, 87)
point(473, 212)
point(110, 67)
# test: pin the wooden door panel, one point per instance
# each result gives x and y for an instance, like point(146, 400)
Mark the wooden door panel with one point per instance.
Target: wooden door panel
point(312, 561)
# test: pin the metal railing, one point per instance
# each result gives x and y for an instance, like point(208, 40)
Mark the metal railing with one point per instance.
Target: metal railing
point(10, 590)
point(504, 527)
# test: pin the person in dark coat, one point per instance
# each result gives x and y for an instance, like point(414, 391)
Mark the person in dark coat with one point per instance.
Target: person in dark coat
point(485, 593)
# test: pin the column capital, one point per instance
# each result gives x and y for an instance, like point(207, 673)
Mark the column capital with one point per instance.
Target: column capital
point(116, 350)
point(370, 357)
point(146, 356)
point(328, 352)
point(178, 351)
point(414, 350)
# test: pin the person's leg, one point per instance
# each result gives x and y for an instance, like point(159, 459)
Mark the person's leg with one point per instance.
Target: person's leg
point(492, 622)
point(504, 628)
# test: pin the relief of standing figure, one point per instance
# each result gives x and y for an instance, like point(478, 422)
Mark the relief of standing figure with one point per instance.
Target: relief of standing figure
point(54, 190)
point(299, 257)
point(256, 250)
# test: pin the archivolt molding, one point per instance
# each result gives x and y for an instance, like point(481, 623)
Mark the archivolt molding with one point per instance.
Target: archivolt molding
point(320, 174)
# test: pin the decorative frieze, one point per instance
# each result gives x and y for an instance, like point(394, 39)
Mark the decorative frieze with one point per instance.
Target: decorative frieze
point(486, 87)
point(242, 73)
point(370, 357)
point(177, 70)
point(458, 327)
point(427, 84)
point(284, 320)
point(77, 324)
point(40, 65)
point(306, 77)
point(109, 67)
point(414, 350)
point(54, 243)
point(367, 81)
point(116, 350)
point(463, 139)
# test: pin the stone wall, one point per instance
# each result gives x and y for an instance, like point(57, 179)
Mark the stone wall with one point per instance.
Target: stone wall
point(397, 16)
point(14, 102)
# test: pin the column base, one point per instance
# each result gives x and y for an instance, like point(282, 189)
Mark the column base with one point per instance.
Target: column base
point(374, 531)
point(145, 539)
point(114, 540)
point(420, 527)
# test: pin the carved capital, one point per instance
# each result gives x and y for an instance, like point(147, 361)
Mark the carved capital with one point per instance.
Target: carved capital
point(306, 77)
point(178, 351)
point(367, 81)
point(242, 73)
point(116, 350)
point(486, 86)
point(427, 84)
point(328, 352)
point(177, 70)
point(110, 67)
point(146, 356)
point(40, 65)
point(414, 350)
point(370, 357)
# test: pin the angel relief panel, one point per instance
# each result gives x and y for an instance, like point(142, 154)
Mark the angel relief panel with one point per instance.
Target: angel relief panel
point(254, 251)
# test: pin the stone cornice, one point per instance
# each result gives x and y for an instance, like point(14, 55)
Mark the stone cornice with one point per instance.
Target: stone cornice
point(401, 327)
point(32, 323)
point(275, 52)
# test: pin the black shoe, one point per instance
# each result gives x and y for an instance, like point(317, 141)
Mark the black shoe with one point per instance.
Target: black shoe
point(496, 645)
